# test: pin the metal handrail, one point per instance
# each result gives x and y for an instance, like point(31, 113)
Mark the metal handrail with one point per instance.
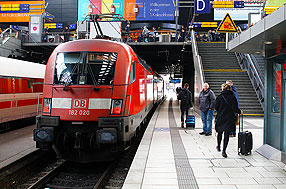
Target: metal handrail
point(199, 74)
point(246, 63)
point(10, 32)
point(40, 96)
point(258, 68)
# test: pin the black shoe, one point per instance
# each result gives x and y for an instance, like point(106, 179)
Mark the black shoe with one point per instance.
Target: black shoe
point(208, 134)
point(218, 148)
point(202, 133)
point(224, 154)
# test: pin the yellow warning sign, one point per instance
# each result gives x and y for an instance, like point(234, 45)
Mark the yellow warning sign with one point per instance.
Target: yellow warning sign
point(227, 25)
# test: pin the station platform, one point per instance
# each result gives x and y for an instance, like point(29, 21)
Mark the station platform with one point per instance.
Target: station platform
point(172, 157)
point(15, 145)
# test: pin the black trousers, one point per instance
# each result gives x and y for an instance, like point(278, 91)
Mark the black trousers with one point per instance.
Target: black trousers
point(225, 139)
point(183, 113)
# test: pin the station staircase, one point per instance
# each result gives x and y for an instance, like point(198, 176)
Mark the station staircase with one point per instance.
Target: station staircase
point(219, 66)
point(259, 62)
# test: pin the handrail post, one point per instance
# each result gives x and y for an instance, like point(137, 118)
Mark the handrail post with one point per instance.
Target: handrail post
point(38, 105)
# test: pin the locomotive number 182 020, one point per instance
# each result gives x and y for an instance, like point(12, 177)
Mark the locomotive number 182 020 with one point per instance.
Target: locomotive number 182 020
point(79, 112)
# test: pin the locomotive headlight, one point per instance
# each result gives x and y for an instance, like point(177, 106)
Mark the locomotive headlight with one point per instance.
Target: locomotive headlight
point(106, 136)
point(116, 106)
point(47, 105)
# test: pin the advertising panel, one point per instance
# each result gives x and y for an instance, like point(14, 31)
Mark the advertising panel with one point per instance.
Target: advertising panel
point(100, 7)
point(272, 5)
point(130, 9)
point(235, 13)
point(238, 14)
point(19, 11)
point(149, 9)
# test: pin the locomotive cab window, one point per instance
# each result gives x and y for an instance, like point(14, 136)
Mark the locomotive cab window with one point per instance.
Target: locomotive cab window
point(85, 68)
point(68, 67)
point(100, 68)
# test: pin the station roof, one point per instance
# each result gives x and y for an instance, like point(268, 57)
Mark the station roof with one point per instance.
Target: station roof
point(266, 35)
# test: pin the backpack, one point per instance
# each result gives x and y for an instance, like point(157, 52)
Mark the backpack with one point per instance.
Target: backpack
point(185, 97)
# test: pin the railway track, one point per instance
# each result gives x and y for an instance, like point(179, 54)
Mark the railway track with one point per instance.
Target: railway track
point(17, 173)
point(46, 171)
point(73, 176)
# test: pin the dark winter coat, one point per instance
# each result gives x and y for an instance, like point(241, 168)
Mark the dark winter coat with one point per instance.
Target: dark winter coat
point(226, 118)
point(206, 100)
point(186, 99)
point(234, 90)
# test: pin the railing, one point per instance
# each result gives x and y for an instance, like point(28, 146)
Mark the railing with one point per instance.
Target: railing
point(7, 33)
point(258, 67)
point(39, 105)
point(247, 62)
point(199, 74)
point(157, 36)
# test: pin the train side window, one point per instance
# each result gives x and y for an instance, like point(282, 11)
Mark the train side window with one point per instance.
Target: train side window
point(2, 86)
point(144, 64)
point(132, 77)
point(29, 84)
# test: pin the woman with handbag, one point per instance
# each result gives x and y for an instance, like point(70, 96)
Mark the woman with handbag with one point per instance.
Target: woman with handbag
point(226, 107)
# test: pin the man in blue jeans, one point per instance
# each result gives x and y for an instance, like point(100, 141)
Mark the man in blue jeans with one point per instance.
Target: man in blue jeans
point(207, 105)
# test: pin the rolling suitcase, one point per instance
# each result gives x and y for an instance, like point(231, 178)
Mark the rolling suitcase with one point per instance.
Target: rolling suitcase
point(245, 141)
point(190, 121)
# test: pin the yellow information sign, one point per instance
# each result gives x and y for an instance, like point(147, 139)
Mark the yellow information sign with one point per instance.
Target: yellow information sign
point(227, 25)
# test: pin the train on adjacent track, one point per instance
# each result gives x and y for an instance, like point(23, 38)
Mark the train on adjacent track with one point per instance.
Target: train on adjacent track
point(21, 87)
point(96, 94)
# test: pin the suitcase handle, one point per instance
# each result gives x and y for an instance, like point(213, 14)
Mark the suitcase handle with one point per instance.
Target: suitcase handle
point(240, 122)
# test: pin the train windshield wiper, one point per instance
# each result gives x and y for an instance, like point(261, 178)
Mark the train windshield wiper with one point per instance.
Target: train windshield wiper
point(89, 70)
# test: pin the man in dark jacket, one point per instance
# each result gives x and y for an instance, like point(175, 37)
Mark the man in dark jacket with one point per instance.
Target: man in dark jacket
point(66, 34)
point(207, 105)
point(186, 102)
point(234, 90)
point(226, 107)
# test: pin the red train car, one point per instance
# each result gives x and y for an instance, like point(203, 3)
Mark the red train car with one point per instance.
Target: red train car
point(21, 86)
point(96, 95)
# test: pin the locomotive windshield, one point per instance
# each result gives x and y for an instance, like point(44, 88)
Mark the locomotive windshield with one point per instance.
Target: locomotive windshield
point(85, 68)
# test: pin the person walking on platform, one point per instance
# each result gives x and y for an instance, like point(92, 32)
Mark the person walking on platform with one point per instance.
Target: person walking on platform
point(226, 107)
point(145, 34)
point(206, 106)
point(185, 96)
point(66, 34)
point(234, 90)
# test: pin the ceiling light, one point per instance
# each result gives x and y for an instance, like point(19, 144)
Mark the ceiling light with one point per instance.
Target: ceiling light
point(267, 42)
point(257, 52)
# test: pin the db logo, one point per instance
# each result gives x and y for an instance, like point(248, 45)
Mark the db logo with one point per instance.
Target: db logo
point(79, 103)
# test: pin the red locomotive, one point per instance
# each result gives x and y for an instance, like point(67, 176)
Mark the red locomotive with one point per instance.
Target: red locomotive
point(96, 95)
point(21, 84)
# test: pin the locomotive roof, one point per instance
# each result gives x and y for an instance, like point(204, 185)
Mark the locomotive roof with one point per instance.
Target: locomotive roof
point(20, 68)
point(92, 45)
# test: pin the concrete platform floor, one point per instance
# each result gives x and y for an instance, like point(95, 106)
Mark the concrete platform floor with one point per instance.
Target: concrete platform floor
point(15, 145)
point(156, 166)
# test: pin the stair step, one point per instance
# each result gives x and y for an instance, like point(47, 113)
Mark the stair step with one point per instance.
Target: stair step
point(234, 79)
point(215, 56)
point(240, 91)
